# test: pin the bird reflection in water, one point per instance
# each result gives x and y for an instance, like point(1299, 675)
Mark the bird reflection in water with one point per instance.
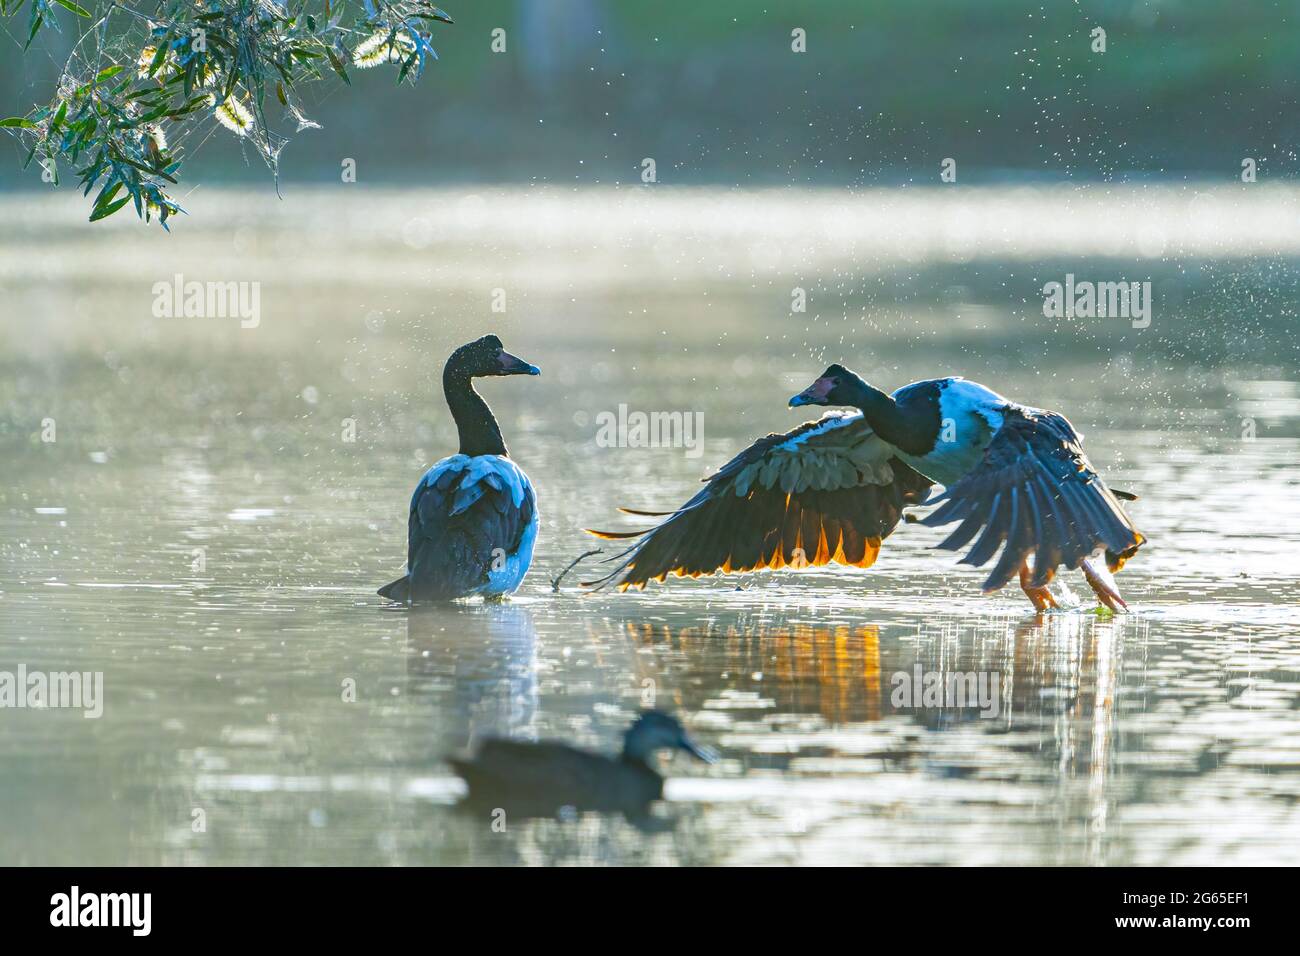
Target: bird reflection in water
point(484, 658)
point(1058, 680)
point(831, 671)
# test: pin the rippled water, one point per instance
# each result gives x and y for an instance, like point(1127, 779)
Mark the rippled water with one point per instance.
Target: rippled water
point(202, 533)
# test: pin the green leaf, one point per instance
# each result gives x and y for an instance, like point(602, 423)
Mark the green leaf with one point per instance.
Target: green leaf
point(338, 65)
point(104, 212)
point(106, 196)
point(37, 19)
point(69, 5)
point(152, 115)
point(18, 122)
point(197, 103)
point(90, 175)
point(108, 72)
point(159, 55)
point(406, 67)
point(143, 168)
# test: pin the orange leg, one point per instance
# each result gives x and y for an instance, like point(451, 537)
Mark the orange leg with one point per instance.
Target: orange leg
point(1041, 596)
point(1102, 584)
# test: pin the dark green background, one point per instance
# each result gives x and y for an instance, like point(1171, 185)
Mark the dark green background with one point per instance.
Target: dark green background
point(713, 92)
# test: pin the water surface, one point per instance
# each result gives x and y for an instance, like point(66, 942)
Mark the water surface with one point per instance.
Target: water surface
point(202, 531)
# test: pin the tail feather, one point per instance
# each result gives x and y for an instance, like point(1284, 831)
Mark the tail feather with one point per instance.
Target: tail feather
point(399, 590)
point(617, 535)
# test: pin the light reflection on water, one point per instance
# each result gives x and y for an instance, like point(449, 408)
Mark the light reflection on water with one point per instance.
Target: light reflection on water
point(1170, 735)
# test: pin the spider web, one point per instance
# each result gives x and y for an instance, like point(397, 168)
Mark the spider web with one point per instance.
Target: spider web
point(117, 37)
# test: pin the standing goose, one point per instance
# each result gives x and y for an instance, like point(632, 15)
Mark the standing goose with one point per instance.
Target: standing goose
point(831, 490)
point(473, 515)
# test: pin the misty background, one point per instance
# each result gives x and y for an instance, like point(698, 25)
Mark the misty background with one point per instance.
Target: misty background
point(714, 93)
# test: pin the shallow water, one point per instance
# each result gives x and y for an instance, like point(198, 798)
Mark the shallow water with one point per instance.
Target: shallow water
point(201, 531)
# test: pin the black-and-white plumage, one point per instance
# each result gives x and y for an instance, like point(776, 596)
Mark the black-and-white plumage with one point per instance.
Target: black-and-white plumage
point(1014, 476)
point(473, 518)
point(1034, 494)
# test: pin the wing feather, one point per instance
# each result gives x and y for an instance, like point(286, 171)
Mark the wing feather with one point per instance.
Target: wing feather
point(826, 492)
point(462, 513)
point(1035, 492)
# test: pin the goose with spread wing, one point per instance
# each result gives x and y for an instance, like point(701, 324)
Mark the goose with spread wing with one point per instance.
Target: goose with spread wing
point(473, 518)
point(830, 491)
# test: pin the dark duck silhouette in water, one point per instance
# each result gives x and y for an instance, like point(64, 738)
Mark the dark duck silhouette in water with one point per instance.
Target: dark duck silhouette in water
point(473, 515)
point(537, 779)
point(832, 490)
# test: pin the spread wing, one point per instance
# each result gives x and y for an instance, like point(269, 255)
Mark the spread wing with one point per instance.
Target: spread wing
point(465, 513)
point(828, 491)
point(1035, 491)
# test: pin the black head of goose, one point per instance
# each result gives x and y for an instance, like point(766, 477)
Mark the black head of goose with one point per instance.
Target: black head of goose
point(473, 516)
point(831, 490)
